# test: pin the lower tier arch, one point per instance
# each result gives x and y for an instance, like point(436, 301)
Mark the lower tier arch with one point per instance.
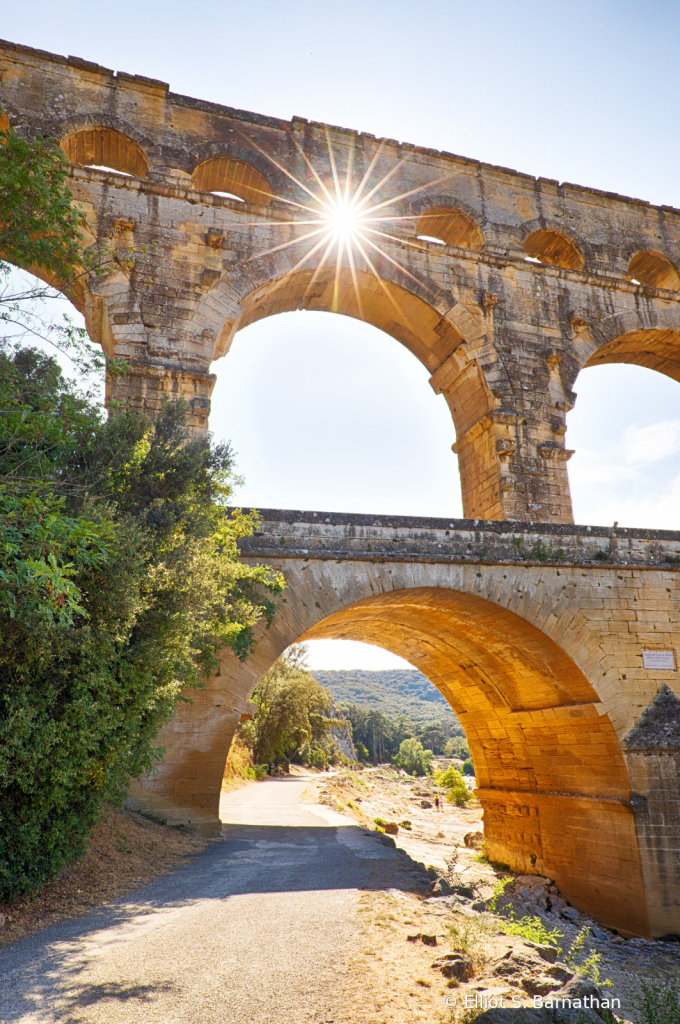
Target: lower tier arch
point(551, 770)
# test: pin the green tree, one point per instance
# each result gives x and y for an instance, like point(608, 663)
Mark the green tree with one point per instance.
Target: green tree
point(457, 746)
point(39, 226)
point(294, 715)
point(362, 751)
point(453, 781)
point(119, 569)
point(414, 758)
point(432, 736)
point(119, 580)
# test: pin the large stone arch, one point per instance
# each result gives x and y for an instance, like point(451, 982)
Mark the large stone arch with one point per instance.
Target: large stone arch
point(551, 773)
point(447, 336)
point(416, 319)
point(648, 336)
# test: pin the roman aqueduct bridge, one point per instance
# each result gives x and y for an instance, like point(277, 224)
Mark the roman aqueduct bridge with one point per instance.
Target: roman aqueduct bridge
point(504, 286)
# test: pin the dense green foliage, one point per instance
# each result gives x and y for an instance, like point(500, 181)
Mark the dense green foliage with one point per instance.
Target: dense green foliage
point(119, 580)
point(39, 228)
point(396, 693)
point(378, 738)
point(119, 571)
point(453, 782)
point(456, 746)
point(413, 757)
point(294, 718)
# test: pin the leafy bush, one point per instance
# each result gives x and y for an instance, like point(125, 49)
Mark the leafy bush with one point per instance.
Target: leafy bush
point(240, 762)
point(531, 928)
point(465, 935)
point(468, 767)
point(586, 966)
point(414, 758)
point(119, 580)
point(498, 890)
point(453, 781)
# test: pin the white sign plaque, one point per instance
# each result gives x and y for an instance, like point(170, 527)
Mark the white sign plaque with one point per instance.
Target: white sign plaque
point(658, 659)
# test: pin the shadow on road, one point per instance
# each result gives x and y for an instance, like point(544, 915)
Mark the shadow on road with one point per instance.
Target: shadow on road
point(250, 859)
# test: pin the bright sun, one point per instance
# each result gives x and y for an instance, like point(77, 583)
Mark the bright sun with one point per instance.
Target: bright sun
point(343, 219)
point(347, 221)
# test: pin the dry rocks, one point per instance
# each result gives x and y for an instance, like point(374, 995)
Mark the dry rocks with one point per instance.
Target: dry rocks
point(455, 965)
point(532, 968)
point(440, 887)
point(427, 940)
point(577, 1002)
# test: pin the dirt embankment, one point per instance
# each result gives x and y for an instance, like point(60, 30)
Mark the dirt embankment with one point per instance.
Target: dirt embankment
point(125, 852)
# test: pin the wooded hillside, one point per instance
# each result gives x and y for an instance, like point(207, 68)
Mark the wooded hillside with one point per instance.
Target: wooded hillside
point(393, 692)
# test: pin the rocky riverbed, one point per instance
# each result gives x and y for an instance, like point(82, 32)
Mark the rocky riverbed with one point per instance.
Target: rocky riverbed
point(469, 936)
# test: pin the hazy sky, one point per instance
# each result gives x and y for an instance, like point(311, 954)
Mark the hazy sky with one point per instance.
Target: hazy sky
point(326, 412)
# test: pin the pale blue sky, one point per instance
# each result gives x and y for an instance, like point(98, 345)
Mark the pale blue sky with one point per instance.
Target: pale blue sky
point(326, 412)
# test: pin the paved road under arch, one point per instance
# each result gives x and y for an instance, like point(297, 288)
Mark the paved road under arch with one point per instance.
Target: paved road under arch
point(254, 929)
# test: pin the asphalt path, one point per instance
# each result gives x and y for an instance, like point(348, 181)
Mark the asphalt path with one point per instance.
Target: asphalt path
point(255, 930)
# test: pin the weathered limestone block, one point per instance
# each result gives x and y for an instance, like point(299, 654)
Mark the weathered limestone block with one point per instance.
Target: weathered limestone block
point(652, 751)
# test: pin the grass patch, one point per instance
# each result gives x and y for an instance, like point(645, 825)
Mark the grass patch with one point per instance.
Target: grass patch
point(533, 929)
point(466, 935)
point(530, 928)
point(495, 865)
point(586, 966)
point(658, 1003)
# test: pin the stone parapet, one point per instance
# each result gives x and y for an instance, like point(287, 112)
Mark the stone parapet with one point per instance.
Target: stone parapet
point(295, 534)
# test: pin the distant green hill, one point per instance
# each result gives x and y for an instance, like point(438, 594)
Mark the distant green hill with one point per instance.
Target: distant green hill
point(395, 692)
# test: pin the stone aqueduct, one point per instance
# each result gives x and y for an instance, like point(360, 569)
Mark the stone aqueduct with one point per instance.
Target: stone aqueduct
point(534, 633)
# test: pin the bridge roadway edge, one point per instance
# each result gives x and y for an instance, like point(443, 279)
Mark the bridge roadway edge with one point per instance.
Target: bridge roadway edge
point(540, 657)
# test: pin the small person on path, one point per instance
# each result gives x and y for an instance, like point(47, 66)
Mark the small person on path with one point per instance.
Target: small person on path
point(436, 803)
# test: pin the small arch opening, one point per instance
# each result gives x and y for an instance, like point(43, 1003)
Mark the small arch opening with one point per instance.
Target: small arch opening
point(106, 149)
point(554, 249)
point(232, 178)
point(228, 195)
point(451, 226)
point(654, 269)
